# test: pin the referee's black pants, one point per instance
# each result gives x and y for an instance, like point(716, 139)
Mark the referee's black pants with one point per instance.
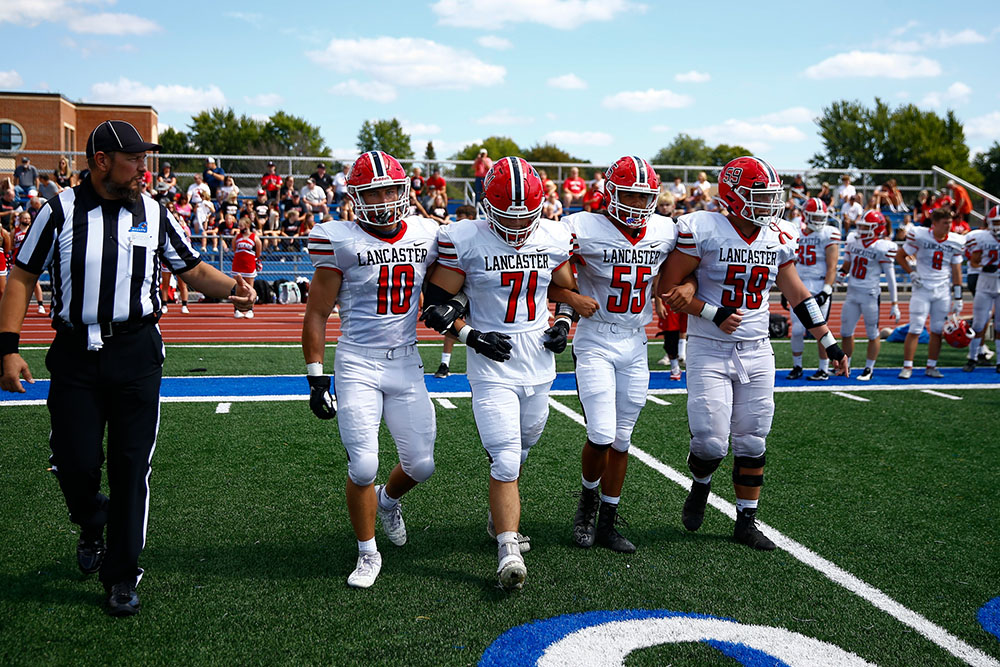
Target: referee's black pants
point(117, 387)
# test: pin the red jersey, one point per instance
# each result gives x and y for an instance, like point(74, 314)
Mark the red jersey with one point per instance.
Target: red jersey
point(575, 186)
point(436, 182)
point(19, 235)
point(270, 182)
point(245, 254)
point(3, 257)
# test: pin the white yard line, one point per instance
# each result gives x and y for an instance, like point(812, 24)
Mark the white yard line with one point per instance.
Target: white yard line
point(223, 408)
point(658, 401)
point(838, 575)
point(940, 394)
point(445, 403)
point(852, 397)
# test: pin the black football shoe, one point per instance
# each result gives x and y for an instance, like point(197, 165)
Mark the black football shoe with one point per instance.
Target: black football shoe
point(122, 600)
point(442, 371)
point(607, 535)
point(693, 513)
point(796, 374)
point(90, 551)
point(585, 521)
point(970, 365)
point(746, 531)
point(819, 376)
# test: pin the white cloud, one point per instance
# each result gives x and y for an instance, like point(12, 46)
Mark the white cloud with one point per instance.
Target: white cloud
point(71, 12)
point(647, 100)
point(368, 90)
point(112, 24)
point(559, 14)
point(504, 117)
point(660, 129)
point(896, 32)
point(10, 79)
point(260, 117)
point(264, 100)
point(253, 18)
point(790, 116)
point(494, 42)
point(420, 129)
point(957, 93)
point(567, 82)
point(943, 39)
point(408, 61)
point(578, 138)
point(874, 64)
point(694, 76)
point(163, 97)
point(752, 134)
point(986, 127)
point(551, 116)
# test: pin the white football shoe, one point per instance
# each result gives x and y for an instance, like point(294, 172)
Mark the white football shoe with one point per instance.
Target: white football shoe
point(366, 571)
point(510, 568)
point(248, 314)
point(237, 315)
point(41, 309)
point(905, 373)
point(523, 541)
point(163, 309)
point(184, 309)
point(664, 361)
point(392, 519)
point(866, 375)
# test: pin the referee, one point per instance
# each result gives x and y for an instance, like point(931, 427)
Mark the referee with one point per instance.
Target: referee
point(103, 243)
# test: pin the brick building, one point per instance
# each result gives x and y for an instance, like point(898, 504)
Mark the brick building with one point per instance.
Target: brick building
point(49, 122)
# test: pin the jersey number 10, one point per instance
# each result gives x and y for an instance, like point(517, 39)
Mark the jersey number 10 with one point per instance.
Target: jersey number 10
point(394, 295)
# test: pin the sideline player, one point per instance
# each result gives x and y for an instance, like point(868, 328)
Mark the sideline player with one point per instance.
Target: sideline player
point(374, 267)
point(246, 259)
point(938, 262)
point(736, 258)
point(867, 255)
point(985, 255)
point(505, 265)
point(819, 246)
point(618, 253)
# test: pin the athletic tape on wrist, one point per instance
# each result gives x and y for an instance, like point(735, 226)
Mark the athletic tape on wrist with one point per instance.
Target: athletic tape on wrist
point(956, 292)
point(708, 312)
point(315, 368)
point(463, 335)
point(827, 340)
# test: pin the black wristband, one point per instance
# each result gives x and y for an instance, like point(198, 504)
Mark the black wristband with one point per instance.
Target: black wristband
point(8, 343)
point(722, 315)
point(834, 352)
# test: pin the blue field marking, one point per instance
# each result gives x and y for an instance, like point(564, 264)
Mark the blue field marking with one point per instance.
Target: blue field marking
point(989, 617)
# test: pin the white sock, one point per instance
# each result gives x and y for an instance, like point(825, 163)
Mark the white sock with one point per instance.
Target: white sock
point(824, 365)
point(675, 365)
point(446, 358)
point(368, 546)
point(508, 536)
point(796, 360)
point(682, 347)
point(610, 500)
point(702, 480)
point(590, 485)
point(742, 504)
point(974, 349)
point(931, 363)
point(907, 364)
point(870, 363)
point(385, 501)
point(848, 362)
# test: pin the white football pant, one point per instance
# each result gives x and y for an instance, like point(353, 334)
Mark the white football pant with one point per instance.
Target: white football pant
point(510, 420)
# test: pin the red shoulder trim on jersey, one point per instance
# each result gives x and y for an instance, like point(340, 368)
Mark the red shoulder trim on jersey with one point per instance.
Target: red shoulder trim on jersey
point(388, 239)
point(446, 244)
point(322, 252)
point(561, 264)
point(748, 239)
point(685, 245)
point(791, 261)
point(452, 268)
point(685, 235)
point(330, 268)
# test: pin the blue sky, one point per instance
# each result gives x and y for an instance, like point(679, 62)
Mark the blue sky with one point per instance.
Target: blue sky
point(598, 78)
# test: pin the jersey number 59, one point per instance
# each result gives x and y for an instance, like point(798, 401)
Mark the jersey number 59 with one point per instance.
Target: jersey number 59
point(749, 290)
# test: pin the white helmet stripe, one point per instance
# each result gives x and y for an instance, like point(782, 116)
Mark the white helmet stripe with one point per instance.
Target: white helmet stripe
point(640, 170)
point(772, 175)
point(377, 165)
point(516, 182)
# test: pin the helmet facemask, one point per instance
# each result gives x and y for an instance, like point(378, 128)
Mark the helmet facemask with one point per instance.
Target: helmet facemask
point(993, 224)
point(867, 230)
point(383, 214)
point(635, 217)
point(513, 236)
point(761, 206)
point(816, 220)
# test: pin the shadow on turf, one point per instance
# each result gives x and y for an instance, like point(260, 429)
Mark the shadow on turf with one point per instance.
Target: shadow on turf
point(47, 585)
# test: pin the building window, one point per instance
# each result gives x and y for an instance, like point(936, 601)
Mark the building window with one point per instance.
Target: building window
point(11, 136)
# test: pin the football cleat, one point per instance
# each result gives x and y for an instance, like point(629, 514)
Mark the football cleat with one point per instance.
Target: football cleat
point(237, 315)
point(795, 374)
point(866, 375)
point(933, 372)
point(819, 376)
point(607, 535)
point(248, 314)
point(185, 310)
point(905, 373)
point(523, 541)
point(366, 571)
point(90, 552)
point(510, 566)
point(41, 309)
point(675, 375)
point(122, 600)
point(746, 531)
point(693, 513)
point(664, 361)
point(442, 371)
point(986, 354)
point(585, 521)
point(970, 365)
point(392, 519)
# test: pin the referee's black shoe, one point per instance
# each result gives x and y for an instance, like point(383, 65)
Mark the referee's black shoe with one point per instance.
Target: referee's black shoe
point(90, 551)
point(795, 374)
point(122, 600)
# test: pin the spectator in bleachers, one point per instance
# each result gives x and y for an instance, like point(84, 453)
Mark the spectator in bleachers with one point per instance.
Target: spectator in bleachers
point(271, 225)
point(62, 174)
point(25, 177)
point(214, 176)
point(480, 168)
point(199, 186)
point(437, 183)
point(825, 194)
point(287, 188)
point(230, 205)
point(599, 181)
point(963, 203)
point(439, 207)
point(202, 216)
point(666, 204)
point(573, 189)
point(166, 175)
point(160, 193)
point(850, 212)
point(347, 210)
point(226, 229)
point(552, 208)
point(259, 205)
point(680, 193)
point(314, 197)
point(305, 227)
point(290, 228)
point(545, 180)
point(416, 207)
point(228, 188)
point(922, 208)
point(960, 226)
point(34, 204)
point(183, 207)
point(887, 198)
point(418, 186)
point(845, 191)
point(593, 197)
point(9, 208)
point(797, 192)
point(340, 185)
point(704, 184)
point(905, 228)
point(47, 188)
point(942, 199)
point(324, 180)
point(295, 203)
point(270, 182)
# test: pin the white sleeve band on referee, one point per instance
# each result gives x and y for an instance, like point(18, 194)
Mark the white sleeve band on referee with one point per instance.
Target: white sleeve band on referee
point(463, 335)
point(315, 368)
point(827, 340)
point(708, 312)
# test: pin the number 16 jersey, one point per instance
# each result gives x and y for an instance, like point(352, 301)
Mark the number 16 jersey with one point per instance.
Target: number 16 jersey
point(735, 270)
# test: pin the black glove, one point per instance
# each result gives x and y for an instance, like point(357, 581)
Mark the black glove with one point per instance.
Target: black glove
point(321, 402)
point(989, 268)
point(784, 302)
point(441, 316)
point(492, 344)
point(820, 297)
point(557, 335)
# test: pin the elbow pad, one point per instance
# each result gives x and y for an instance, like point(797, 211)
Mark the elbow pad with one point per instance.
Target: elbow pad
point(809, 313)
point(566, 310)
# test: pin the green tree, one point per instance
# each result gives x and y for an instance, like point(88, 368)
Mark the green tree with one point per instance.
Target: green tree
point(177, 141)
point(684, 149)
point(988, 166)
point(430, 155)
point(723, 153)
point(385, 135)
point(549, 153)
point(285, 134)
point(222, 131)
point(497, 147)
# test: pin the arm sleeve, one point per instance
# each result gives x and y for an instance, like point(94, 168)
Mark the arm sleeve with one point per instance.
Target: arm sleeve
point(321, 250)
point(35, 254)
point(890, 277)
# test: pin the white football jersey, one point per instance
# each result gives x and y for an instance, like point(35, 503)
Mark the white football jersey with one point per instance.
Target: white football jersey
point(866, 261)
point(734, 270)
point(811, 261)
point(617, 270)
point(934, 258)
point(382, 277)
point(507, 286)
point(990, 247)
point(970, 240)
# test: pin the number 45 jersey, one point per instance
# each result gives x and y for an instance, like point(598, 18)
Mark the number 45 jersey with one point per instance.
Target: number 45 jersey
point(735, 270)
point(618, 270)
point(382, 277)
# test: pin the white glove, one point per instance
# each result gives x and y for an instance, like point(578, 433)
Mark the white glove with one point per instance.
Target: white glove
point(956, 306)
point(894, 313)
point(915, 279)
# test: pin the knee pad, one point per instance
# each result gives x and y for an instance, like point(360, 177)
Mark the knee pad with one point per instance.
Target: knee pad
point(871, 330)
point(362, 468)
point(621, 445)
point(750, 463)
point(700, 467)
point(506, 465)
point(916, 329)
point(421, 469)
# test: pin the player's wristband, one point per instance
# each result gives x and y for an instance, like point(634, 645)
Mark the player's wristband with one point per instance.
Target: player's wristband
point(315, 368)
point(827, 289)
point(463, 335)
point(8, 343)
point(956, 292)
point(716, 314)
point(827, 340)
point(708, 312)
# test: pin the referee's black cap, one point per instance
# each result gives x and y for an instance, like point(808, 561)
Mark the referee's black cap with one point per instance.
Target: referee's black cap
point(117, 135)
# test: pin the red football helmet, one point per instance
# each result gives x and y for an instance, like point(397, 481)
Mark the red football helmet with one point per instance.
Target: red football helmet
point(816, 214)
point(751, 188)
point(378, 169)
point(957, 332)
point(512, 191)
point(993, 221)
point(871, 226)
point(631, 174)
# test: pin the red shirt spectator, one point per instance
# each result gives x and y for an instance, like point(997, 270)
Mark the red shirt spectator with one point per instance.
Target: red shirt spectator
point(436, 181)
point(963, 203)
point(942, 200)
point(960, 226)
point(593, 198)
point(573, 187)
point(271, 182)
point(483, 164)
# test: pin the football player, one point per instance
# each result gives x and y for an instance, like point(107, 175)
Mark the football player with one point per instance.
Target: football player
point(618, 252)
point(984, 249)
point(938, 265)
point(816, 263)
point(504, 264)
point(867, 255)
point(374, 268)
point(736, 258)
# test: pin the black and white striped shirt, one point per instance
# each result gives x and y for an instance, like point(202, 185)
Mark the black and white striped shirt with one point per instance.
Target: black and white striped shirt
point(104, 256)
